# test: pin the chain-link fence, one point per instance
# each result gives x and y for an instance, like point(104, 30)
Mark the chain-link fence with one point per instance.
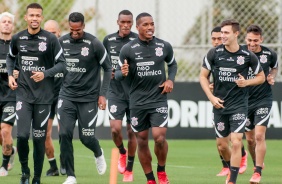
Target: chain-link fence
point(185, 24)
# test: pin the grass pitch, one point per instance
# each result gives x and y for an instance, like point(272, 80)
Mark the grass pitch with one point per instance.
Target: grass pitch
point(189, 162)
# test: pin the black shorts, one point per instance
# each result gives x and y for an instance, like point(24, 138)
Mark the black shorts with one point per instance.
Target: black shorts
point(8, 112)
point(117, 109)
point(258, 116)
point(53, 109)
point(143, 119)
point(224, 124)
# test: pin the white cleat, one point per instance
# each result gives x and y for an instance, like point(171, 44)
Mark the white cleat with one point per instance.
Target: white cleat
point(70, 180)
point(12, 158)
point(3, 172)
point(101, 164)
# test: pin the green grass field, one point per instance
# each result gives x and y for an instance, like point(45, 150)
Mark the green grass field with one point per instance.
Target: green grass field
point(189, 162)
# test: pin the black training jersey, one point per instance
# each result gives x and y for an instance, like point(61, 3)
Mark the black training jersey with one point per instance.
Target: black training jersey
point(113, 44)
point(225, 67)
point(147, 71)
point(262, 94)
point(6, 94)
point(85, 57)
point(39, 52)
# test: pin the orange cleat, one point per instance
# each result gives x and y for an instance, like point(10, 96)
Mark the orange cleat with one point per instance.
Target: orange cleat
point(224, 172)
point(244, 163)
point(255, 179)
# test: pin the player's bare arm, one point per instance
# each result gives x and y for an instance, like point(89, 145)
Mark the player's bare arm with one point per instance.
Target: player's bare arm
point(259, 79)
point(37, 76)
point(124, 68)
point(167, 86)
point(12, 83)
point(102, 102)
point(271, 76)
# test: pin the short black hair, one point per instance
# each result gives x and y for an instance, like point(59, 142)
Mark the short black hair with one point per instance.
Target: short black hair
point(231, 22)
point(125, 12)
point(216, 29)
point(144, 14)
point(76, 17)
point(254, 29)
point(34, 6)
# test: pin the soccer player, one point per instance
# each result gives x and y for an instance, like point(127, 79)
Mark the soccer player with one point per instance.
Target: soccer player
point(118, 102)
point(7, 96)
point(82, 92)
point(216, 40)
point(229, 64)
point(260, 100)
point(40, 57)
point(53, 27)
point(143, 67)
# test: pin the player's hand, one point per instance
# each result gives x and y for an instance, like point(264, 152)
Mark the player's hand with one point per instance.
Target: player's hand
point(113, 73)
point(124, 68)
point(270, 79)
point(37, 76)
point(16, 73)
point(211, 86)
point(217, 102)
point(167, 86)
point(102, 103)
point(241, 82)
point(12, 83)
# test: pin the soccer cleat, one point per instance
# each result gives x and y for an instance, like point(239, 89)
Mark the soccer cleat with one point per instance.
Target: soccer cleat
point(12, 158)
point(70, 180)
point(151, 182)
point(163, 179)
point(244, 163)
point(122, 163)
point(52, 172)
point(227, 178)
point(101, 164)
point(127, 176)
point(24, 179)
point(3, 172)
point(224, 172)
point(35, 181)
point(255, 179)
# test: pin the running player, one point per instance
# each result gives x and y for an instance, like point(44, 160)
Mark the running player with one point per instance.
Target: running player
point(260, 100)
point(118, 102)
point(81, 92)
point(143, 67)
point(53, 27)
point(7, 96)
point(40, 57)
point(229, 64)
point(216, 40)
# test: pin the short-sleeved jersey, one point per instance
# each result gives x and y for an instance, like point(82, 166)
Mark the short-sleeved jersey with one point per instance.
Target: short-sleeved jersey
point(225, 68)
point(6, 94)
point(113, 44)
point(85, 57)
point(147, 71)
point(261, 95)
point(38, 52)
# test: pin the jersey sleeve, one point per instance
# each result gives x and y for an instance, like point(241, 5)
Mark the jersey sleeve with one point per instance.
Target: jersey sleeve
point(209, 59)
point(171, 63)
point(273, 62)
point(122, 56)
point(255, 64)
point(11, 56)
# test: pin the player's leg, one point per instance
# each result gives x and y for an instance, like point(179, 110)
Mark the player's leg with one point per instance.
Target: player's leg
point(250, 135)
point(223, 144)
point(41, 113)
point(67, 116)
point(24, 117)
point(244, 159)
point(49, 147)
point(87, 118)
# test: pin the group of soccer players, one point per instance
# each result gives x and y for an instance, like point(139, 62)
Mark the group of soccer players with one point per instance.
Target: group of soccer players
point(241, 95)
point(137, 88)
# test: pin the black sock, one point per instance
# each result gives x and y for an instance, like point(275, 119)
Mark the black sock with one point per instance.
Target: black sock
point(161, 168)
point(121, 149)
point(13, 151)
point(150, 176)
point(234, 173)
point(224, 164)
point(53, 163)
point(130, 161)
point(254, 163)
point(258, 169)
point(6, 159)
point(243, 151)
point(228, 163)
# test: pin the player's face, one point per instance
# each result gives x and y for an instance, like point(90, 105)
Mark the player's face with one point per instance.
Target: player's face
point(253, 41)
point(125, 23)
point(52, 28)
point(146, 28)
point(76, 29)
point(6, 25)
point(228, 36)
point(216, 38)
point(33, 17)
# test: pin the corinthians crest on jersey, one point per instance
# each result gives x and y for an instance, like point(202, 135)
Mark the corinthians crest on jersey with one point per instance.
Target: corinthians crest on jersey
point(263, 58)
point(240, 60)
point(84, 51)
point(159, 51)
point(42, 46)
